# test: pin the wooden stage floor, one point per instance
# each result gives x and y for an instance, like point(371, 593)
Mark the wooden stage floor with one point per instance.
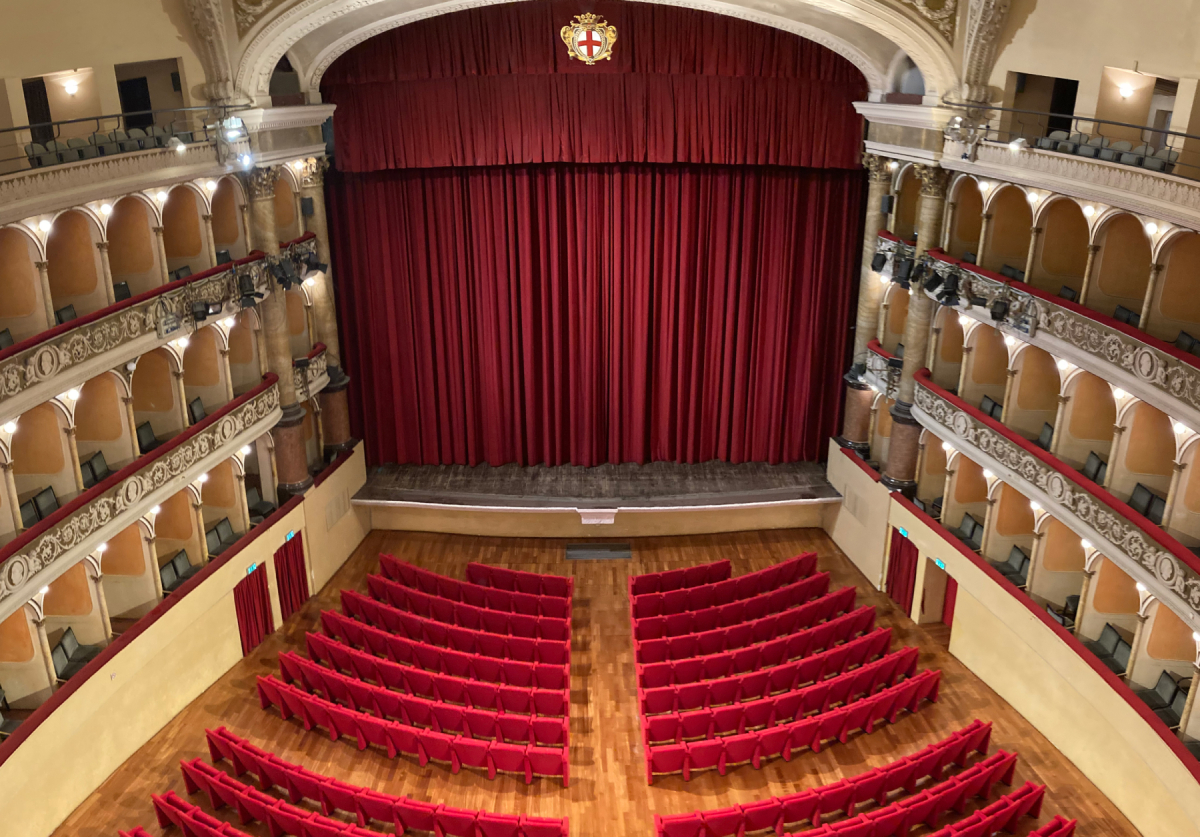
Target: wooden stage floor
point(608, 793)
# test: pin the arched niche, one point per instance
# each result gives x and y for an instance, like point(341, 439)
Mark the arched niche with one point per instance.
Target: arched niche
point(1184, 522)
point(204, 373)
point(1167, 646)
point(41, 454)
point(931, 478)
point(22, 668)
point(1011, 524)
point(948, 356)
point(176, 529)
point(245, 359)
point(1009, 231)
point(966, 492)
point(72, 603)
point(1088, 420)
point(967, 221)
point(1122, 268)
point(102, 422)
point(985, 367)
point(129, 568)
point(133, 252)
point(908, 197)
point(221, 499)
point(881, 430)
point(1145, 454)
point(1034, 393)
point(287, 221)
point(74, 266)
point(299, 334)
point(1175, 307)
point(185, 238)
point(894, 317)
point(1112, 599)
point(22, 302)
point(1058, 564)
point(228, 222)
point(156, 394)
point(1062, 248)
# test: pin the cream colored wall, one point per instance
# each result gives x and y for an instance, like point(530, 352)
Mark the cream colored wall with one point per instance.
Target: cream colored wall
point(162, 670)
point(334, 527)
point(1167, 646)
point(1058, 565)
point(1009, 525)
point(1031, 667)
point(859, 523)
point(128, 593)
point(26, 681)
point(1088, 419)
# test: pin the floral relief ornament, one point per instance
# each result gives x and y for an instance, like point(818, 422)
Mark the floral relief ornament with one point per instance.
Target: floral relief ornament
point(589, 38)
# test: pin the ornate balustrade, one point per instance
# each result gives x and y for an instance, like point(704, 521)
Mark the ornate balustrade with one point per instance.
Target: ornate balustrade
point(43, 552)
point(1142, 549)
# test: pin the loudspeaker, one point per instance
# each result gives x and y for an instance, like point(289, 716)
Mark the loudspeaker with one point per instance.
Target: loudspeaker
point(306, 207)
point(887, 204)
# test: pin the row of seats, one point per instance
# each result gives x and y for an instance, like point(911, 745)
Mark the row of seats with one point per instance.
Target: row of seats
point(369, 805)
point(662, 582)
point(41, 505)
point(1102, 148)
point(895, 817)
point(752, 658)
point(519, 581)
point(780, 741)
point(176, 571)
point(824, 615)
point(724, 592)
point(451, 612)
point(220, 537)
point(101, 144)
point(724, 616)
point(1112, 649)
point(1167, 699)
point(768, 709)
point(422, 655)
point(1016, 568)
point(448, 688)
point(431, 631)
point(69, 657)
point(427, 745)
point(530, 604)
point(252, 805)
point(811, 804)
point(1002, 815)
point(419, 712)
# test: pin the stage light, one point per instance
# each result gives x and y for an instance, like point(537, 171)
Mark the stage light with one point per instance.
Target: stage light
point(999, 309)
point(879, 262)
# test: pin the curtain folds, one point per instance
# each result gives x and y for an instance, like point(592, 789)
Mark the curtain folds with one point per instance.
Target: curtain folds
point(591, 314)
point(291, 576)
point(902, 570)
point(252, 603)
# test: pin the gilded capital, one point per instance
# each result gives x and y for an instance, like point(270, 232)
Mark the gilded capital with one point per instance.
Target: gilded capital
point(259, 182)
point(934, 180)
point(877, 168)
point(312, 173)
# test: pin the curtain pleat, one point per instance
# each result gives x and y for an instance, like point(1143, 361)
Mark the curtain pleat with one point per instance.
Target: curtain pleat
point(291, 575)
point(252, 603)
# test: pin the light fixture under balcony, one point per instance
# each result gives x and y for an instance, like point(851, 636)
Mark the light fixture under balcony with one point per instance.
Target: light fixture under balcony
point(44, 225)
point(1180, 428)
point(1035, 505)
point(1063, 365)
point(1033, 198)
point(181, 343)
point(229, 322)
point(72, 87)
point(161, 197)
point(69, 395)
point(1195, 636)
point(988, 475)
point(1126, 90)
point(1089, 210)
point(984, 185)
point(210, 186)
point(10, 428)
point(1119, 394)
point(102, 548)
point(1085, 543)
point(1010, 341)
point(106, 209)
point(44, 590)
point(1151, 228)
point(202, 478)
point(156, 510)
point(246, 451)
point(947, 447)
point(1141, 588)
point(893, 165)
point(963, 320)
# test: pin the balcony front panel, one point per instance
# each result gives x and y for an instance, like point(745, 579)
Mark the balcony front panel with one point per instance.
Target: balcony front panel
point(45, 551)
point(1143, 550)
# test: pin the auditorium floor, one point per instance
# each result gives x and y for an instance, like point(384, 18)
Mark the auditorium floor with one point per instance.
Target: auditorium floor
point(608, 793)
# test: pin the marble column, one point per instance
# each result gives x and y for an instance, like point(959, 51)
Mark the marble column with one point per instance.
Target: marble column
point(1080, 611)
point(292, 463)
point(1088, 269)
point(1059, 417)
point(43, 269)
point(1111, 470)
point(1151, 287)
point(1035, 235)
point(1010, 379)
point(1136, 646)
point(152, 555)
point(95, 576)
point(335, 410)
point(10, 495)
point(73, 447)
point(162, 253)
point(106, 272)
point(198, 522)
point(985, 221)
point(1190, 702)
point(39, 622)
point(900, 472)
point(210, 240)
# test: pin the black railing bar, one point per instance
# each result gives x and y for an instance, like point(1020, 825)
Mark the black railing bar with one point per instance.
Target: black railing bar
point(222, 108)
point(1071, 116)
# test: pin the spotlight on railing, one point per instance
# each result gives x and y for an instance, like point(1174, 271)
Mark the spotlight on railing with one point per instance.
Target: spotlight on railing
point(879, 262)
point(249, 293)
point(201, 310)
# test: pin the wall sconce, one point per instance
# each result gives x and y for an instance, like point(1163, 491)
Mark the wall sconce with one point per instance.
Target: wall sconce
point(1126, 90)
point(72, 87)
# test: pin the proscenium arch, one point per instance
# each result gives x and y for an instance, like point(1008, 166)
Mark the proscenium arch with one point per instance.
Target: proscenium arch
point(274, 37)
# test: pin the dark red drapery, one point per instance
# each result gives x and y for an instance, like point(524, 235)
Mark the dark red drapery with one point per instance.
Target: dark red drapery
point(291, 575)
point(591, 314)
point(902, 570)
point(494, 86)
point(252, 602)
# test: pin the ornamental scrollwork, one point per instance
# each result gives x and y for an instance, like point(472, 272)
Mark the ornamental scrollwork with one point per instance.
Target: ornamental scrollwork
point(1069, 496)
point(42, 552)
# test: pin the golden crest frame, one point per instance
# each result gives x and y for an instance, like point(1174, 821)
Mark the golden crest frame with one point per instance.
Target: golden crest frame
point(589, 23)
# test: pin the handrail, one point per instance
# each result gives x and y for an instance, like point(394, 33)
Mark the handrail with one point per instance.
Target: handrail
point(9, 746)
point(1116, 683)
point(84, 498)
point(970, 106)
point(308, 236)
point(873, 345)
point(1119, 508)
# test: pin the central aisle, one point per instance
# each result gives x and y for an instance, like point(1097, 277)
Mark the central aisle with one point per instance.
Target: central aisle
point(608, 794)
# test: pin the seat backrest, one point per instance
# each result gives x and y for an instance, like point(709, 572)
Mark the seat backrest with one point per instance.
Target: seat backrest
point(137, 133)
point(253, 498)
point(76, 142)
point(1142, 149)
point(6, 338)
point(59, 656)
point(68, 642)
point(145, 435)
point(1179, 702)
point(89, 476)
point(1071, 605)
point(99, 465)
point(987, 404)
point(1156, 510)
point(168, 575)
point(1091, 468)
point(1068, 293)
point(1016, 558)
point(1121, 653)
point(225, 530)
point(1055, 615)
point(46, 502)
point(65, 314)
point(181, 563)
point(196, 410)
point(1077, 137)
point(1121, 145)
point(213, 540)
point(1058, 135)
point(1140, 499)
point(121, 291)
point(29, 515)
point(1109, 638)
point(1185, 341)
point(1046, 436)
point(967, 527)
point(32, 148)
point(1166, 687)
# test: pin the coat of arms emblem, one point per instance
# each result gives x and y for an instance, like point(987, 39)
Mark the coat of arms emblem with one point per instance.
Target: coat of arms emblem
point(589, 38)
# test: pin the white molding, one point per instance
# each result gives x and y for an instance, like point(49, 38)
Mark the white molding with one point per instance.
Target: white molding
point(907, 116)
point(292, 116)
point(903, 152)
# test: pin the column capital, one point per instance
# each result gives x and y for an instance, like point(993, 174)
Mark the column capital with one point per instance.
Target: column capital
point(102, 246)
point(260, 182)
point(1036, 230)
point(878, 168)
point(1064, 399)
point(1155, 269)
point(934, 180)
point(207, 217)
point(987, 216)
point(42, 265)
point(1093, 249)
point(157, 230)
point(312, 172)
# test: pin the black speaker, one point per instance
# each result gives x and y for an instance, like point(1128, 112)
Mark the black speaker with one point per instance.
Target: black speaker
point(879, 262)
point(887, 204)
point(306, 207)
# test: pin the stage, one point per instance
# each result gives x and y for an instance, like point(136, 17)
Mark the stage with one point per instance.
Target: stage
point(603, 501)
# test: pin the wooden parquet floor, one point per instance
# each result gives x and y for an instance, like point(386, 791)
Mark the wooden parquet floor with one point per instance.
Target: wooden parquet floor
point(608, 793)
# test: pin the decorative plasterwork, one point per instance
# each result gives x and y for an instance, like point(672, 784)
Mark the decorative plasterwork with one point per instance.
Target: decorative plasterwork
point(985, 19)
point(212, 47)
point(247, 13)
point(311, 379)
point(48, 556)
point(258, 120)
point(1162, 196)
point(882, 377)
point(943, 18)
point(70, 358)
point(1163, 573)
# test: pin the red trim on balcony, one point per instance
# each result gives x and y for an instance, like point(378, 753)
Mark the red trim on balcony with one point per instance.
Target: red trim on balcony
point(873, 345)
point(43, 336)
point(857, 460)
point(43, 526)
point(316, 350)
point(1157, 533)
point(1103, 319)
point(29, 725)
point(308, 236)
point(890, 237)
point(1118, 685)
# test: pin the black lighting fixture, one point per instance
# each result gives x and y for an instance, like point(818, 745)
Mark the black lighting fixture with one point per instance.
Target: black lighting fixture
point(933, 281)
point(879, 262)
point(249, 294)
point(855, 374)
point(919, 273)
point(999, 309)
point(317, 266)
point(949, 293)
point(901, 271)
point(203, 310)
point(976, 301)
point(285, 274)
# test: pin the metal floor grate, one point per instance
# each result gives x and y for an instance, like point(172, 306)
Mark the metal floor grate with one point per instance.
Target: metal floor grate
point(599, 552)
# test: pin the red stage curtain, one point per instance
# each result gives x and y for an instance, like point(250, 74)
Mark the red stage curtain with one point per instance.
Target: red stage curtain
point(591, 314)
point(291, 575)
point(252, 602)
point(902, 570)
point(495, 86)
